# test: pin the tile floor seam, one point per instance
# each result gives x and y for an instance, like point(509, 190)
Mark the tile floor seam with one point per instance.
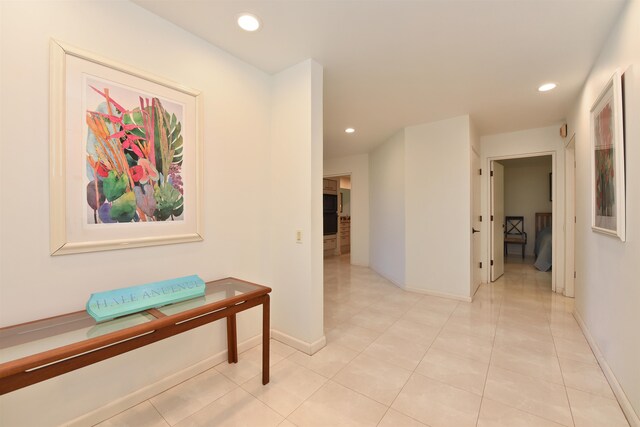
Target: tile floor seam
point(355, 391)
point(572, 387)
point(160, 413)
point(565, 384)
point(208, 404)
point(296, 408)
point(598, 396)
point(486, 375)
point(416, 367)
point(523, 410)
point(362, 352)
point(528, 375)
point(566, 392)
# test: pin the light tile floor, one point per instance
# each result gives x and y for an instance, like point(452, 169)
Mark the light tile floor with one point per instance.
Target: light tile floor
point(513, 357)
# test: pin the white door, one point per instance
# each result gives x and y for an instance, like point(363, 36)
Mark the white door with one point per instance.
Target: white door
point(497, 220)
point(476, 272)
point(570, 218)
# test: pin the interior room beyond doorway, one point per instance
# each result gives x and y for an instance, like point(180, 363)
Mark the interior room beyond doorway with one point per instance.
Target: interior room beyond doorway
point(337, 215)
point(528, 208)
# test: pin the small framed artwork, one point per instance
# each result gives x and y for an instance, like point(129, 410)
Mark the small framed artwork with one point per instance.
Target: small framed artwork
point(607, 165)
point(125, 153)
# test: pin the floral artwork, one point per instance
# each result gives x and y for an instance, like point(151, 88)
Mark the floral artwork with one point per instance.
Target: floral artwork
point(134, 156)
point(607, 145)
point(604, 164)
point(125, 166)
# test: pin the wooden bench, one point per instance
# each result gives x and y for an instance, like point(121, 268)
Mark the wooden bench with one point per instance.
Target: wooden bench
point(43, 349)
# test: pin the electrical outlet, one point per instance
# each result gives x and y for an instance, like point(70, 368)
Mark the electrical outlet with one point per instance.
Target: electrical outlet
point(298, 236)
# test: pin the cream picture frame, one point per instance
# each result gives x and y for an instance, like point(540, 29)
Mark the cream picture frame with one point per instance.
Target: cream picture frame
point(174, 215)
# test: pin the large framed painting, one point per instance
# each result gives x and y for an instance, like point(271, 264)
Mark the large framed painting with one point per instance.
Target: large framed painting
point(125, 160)
point(608, 176)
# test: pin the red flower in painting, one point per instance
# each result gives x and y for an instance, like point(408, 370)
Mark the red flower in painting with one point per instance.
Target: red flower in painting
point(102, 171)
point(137, 173)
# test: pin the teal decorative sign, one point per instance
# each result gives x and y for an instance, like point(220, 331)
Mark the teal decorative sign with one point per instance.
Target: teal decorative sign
point(120, 302)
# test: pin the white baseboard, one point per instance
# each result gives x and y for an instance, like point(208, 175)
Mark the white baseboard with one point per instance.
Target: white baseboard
point(476, 289)
point(424, 291)
point(305, 347)
point(158, 387)
point(623, 400)
point(358, 264)
point(438, 294)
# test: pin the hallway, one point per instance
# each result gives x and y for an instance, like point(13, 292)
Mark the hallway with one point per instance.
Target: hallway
point(513, 357)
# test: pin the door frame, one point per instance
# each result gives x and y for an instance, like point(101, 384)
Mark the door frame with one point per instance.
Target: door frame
point(493, 222)
point(570, 216)
point(476, 221)
point(555, 221)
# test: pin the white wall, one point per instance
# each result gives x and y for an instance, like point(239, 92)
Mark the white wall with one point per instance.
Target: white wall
point(296, 203)
point(437, 206)
point(420, 208)
point(358, 168)
point(530, 142)
point(526, 192)
point(387, 209)
point(607, 285)
point(237, 222)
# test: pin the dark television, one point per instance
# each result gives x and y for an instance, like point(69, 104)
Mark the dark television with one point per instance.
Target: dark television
point(330, 214)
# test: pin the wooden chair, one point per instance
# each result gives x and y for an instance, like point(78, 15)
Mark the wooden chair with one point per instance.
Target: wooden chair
point(514, 232)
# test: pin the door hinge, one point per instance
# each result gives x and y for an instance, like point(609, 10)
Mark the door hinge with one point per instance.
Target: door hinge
point(574, 274)
point(491, 262)
point(480, 218)
point(491, 173)
point(575, 219)
point(481, 265)
point(480, 170)
point(491, 217)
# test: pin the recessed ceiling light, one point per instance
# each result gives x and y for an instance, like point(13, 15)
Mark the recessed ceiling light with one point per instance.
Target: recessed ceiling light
point(547, 87)
point(349, 130)
point(248, 22)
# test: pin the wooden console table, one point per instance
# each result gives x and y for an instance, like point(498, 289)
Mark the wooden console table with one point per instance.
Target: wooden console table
point(43, 349)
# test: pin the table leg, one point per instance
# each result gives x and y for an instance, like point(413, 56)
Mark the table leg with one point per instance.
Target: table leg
point(232, 339)
point(266, 335)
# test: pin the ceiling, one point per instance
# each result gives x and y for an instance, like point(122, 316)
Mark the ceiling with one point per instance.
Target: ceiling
point(395, 63)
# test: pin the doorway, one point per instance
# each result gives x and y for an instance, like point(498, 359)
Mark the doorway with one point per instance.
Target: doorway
point(521, 208)
point(337, 234)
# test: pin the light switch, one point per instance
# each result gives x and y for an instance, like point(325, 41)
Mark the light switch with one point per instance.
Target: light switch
point(298, 236)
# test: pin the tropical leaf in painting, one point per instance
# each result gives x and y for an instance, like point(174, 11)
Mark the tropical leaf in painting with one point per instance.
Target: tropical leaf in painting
point(114, 185)
point(95, 197)
point(169, 202)
point(145, 199)
point(158, 133)
point(168, 138)
point(105, 213)
point(123, 209)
